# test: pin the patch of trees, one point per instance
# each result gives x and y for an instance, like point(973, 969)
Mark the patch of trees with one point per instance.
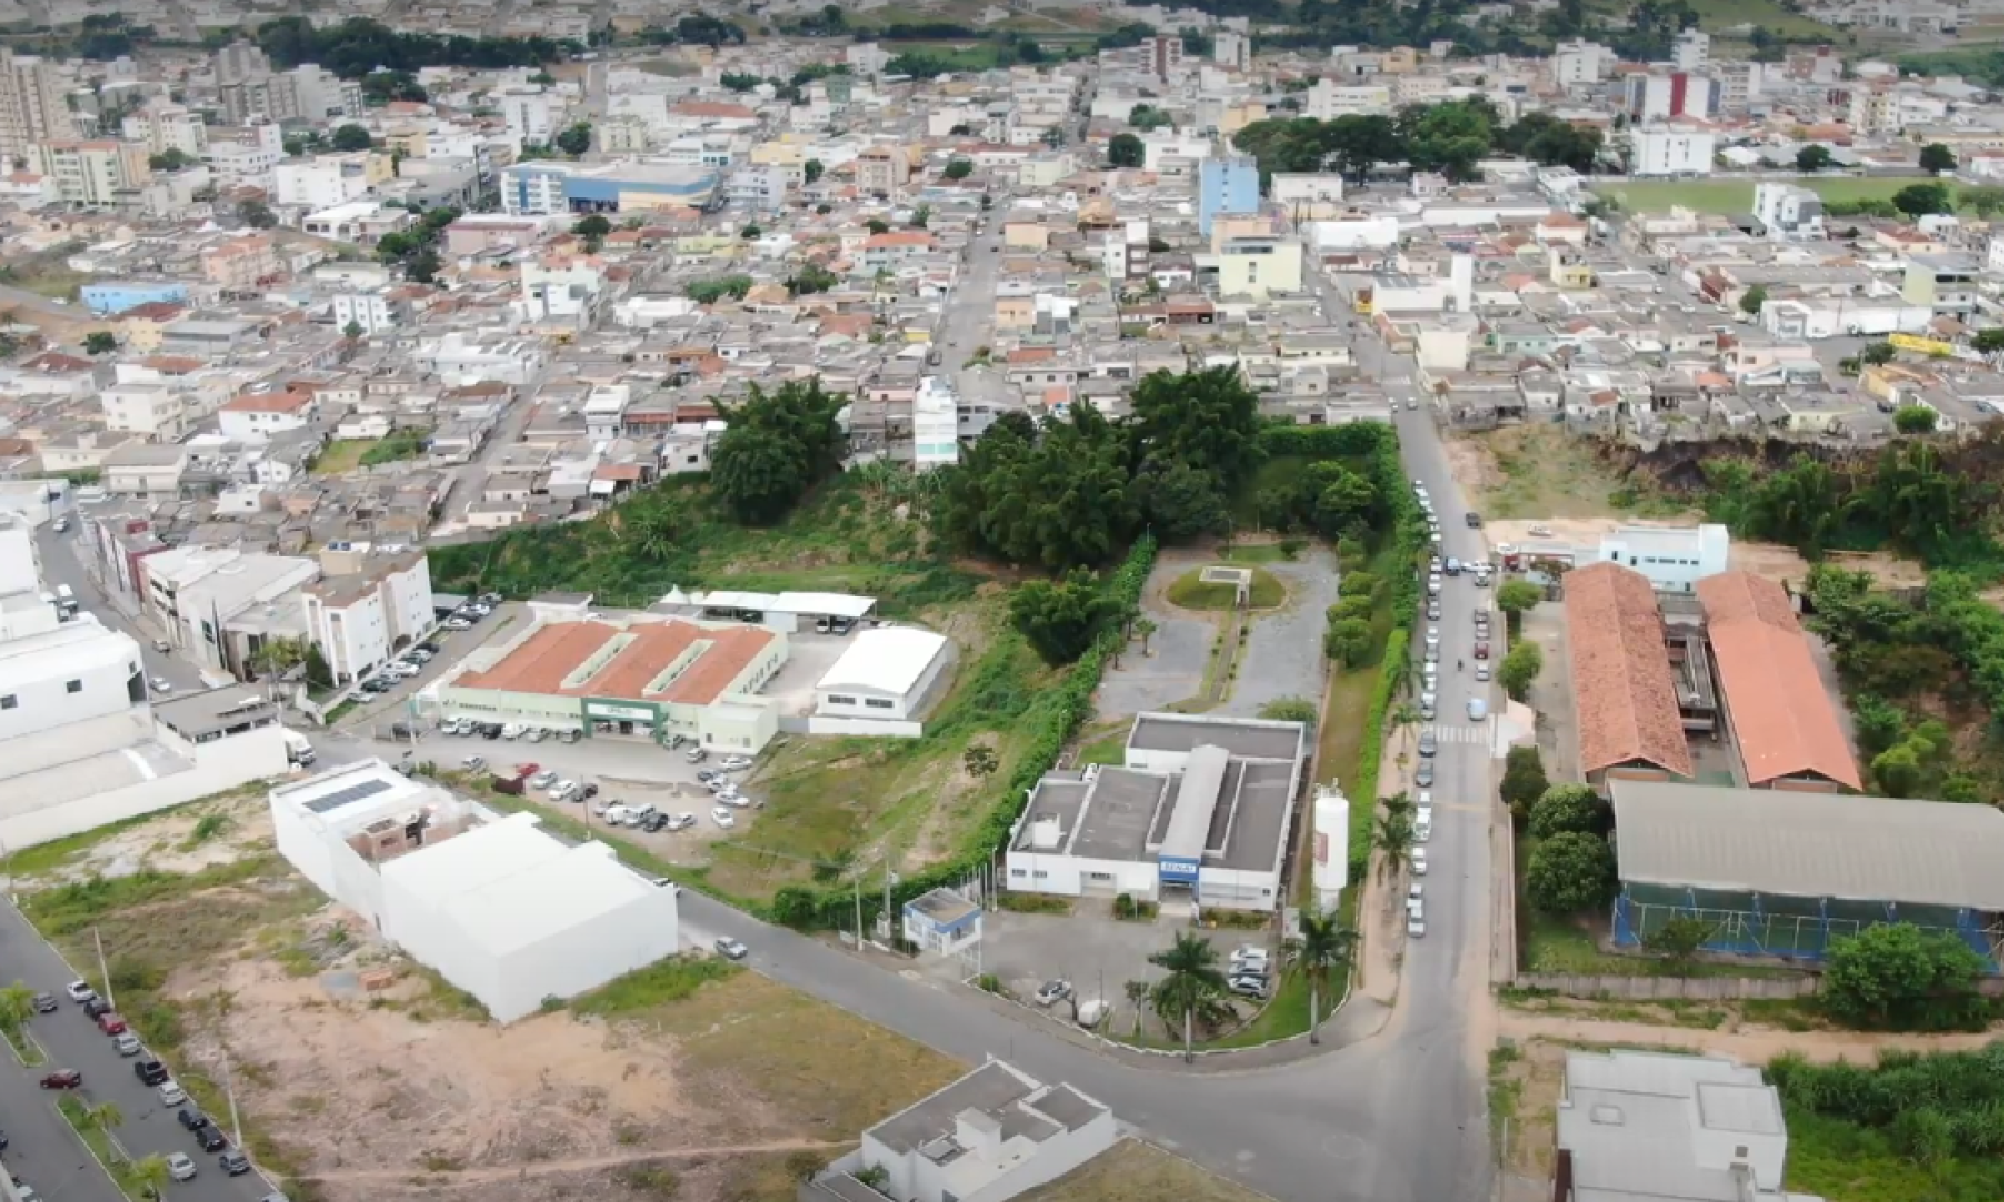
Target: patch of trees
point(414, 250)
point(709, 292)
point(1903, 496)
point(1075, 491)
point(696, 29)
point(1449, 138)
point(1898, 977)
point(358, 46)
point(776, 446)
point(1929, 1106)
point(1061, 618)
point(1125, 150)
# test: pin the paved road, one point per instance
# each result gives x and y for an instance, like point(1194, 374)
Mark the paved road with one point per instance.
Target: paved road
point(48, 1148)
point(60, 566)
point(969, 322)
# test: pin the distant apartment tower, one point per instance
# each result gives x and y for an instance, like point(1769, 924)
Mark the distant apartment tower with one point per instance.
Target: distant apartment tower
point(239, 61)
point(32, 108)
point(1580, 62)
point(882, 170)
point(1692, 51)
point(166, 127)
point(1165, 55)
point(273, 97)
point(1671, 150)
point(96, 173)
point(1229, 185)
point(1660, 97)
point(1232, 50)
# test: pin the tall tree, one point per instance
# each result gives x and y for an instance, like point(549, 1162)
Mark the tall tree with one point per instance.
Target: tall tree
point(1895, 976)
point(1192, 983)
point(1060, 619)
point(1935, 158)
point(1321, 945)
point(1125, 150)
point(774, 448)
point(1208, 420)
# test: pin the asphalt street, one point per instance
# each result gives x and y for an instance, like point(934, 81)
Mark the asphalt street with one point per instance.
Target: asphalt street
point(44, 1151)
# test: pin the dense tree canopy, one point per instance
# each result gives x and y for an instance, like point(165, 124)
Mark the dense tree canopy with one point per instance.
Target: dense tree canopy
point(776, 446)
point(1061, 618)
point(1898, 977)
point(1570, 872)
point(1447, 137)
point(359, 45)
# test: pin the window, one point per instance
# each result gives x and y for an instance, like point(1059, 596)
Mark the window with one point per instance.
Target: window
point(1018, 872)
point(9, 702)
point(1099, 876)
point(876, 704)
point(73, 686)
point(1039, 875)
point(838, 699)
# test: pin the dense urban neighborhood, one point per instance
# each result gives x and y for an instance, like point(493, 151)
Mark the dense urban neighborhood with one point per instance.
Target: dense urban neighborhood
point(955, 603)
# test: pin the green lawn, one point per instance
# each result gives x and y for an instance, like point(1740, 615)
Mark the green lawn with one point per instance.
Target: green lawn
point(1190, 591)
point(1559, 945)
point(342, 456)
point(1843, 1162)
point(1734, 197)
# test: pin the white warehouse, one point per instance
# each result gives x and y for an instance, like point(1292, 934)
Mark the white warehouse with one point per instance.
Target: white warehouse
point(886, 674)
point(497, 906)
point(1198, 812)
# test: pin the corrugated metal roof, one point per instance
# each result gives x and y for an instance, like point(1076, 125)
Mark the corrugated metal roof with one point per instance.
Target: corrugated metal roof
point(1809, 844)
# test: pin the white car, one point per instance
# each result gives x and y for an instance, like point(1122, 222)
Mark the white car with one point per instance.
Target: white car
point(542, 780)
point(171, 1093)
point(723, 817)
point(734, 763)
point(181, 1166)
point(162, 685)
point(1478, 709)
point(80, 991)
point(1482, 671)
point(1419, 861)
point(1415, 926)
point(455, 624)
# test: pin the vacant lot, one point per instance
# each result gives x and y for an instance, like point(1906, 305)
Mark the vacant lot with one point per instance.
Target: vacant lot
point(1541, 471)
point(1733, 197)
point(666, 1084)
point(342, 456)
point(1141, 1172)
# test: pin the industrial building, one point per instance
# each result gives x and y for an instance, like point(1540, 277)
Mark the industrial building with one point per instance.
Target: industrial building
point(887, 674)
point(1199, 811)
point(645, 675)
point(1777, 872)
point(1781, 717)
point(497, 906)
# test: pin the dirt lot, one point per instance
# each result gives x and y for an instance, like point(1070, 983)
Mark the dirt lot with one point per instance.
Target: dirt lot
point(1141, 1172)
point(1783, 565)
point(1543, 472)
point(405, 1091)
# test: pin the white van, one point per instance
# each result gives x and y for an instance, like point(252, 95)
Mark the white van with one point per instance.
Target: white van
point(1423, 824)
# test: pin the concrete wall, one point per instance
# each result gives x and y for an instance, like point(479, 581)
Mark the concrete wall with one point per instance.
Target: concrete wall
point(819, 724)
point(1071, 876)
point(219, 766)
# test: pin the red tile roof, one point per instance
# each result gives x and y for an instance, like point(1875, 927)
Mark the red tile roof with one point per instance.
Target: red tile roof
point(542, 662)
point(1622, 689)
point(1781, 713)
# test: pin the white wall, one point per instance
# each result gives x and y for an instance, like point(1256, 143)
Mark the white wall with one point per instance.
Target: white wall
point(573, 962)
point(1054, 1157)
point(42, 701)
point(1237, 889)
point(823, 724)
point(224, 764)
point(1069, 876)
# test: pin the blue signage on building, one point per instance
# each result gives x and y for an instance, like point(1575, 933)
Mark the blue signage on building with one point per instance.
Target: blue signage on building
point(1175, 868)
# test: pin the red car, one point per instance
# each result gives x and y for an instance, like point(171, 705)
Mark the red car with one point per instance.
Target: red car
point(110, 1023)
point(1481, 651)
point(62, 1078)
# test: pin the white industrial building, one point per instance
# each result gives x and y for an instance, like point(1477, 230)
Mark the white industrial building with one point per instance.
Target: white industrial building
point(887, 674)
point(993, 1134)
point(782, 612)
point(1670, 151)
point(1198, 811)
point(498, 907)
point(1674, 558)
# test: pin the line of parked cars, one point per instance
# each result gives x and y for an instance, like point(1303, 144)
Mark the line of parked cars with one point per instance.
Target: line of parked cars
point(469, 728)
point(150, 1071)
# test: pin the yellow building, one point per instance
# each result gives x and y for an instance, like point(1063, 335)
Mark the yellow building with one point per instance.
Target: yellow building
point(1566, 269)
point(95, 172)
point(1026, 235)
point(1258, 266)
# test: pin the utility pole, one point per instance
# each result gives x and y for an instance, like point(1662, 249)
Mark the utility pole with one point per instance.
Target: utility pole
point(230, 1092)
point(859, 913)
point(103, 973)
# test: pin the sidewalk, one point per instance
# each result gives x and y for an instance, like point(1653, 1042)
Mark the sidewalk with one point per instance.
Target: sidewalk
point(1756, 1046)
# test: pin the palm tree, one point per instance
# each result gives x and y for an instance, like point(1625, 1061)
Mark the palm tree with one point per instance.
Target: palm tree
point(277, 656)
point(1144, 628)
point(1405, 714)
point(1321, 945)
point(104, 1116)
point(150, 1175)
point(1137, 997)
point(1394, 841)
point(1193, 980)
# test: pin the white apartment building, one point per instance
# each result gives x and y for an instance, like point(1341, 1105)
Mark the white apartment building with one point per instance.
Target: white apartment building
point(151, 410)
point(165, 127)
point(370, 310)
point(97, 172)
point(1788, 212)
point(322, 181)
point(240, 164)
point(532, 116)
point(359, 620)
point(560, 288)
point(1661, 150)
point(1581, 63)
point(496, 905)
point(935, 424)
point(1692, 50)
point(1328, 100)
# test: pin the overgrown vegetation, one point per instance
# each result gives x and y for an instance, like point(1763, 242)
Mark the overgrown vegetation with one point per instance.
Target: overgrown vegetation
point(659, 983)
point(1926, 1125)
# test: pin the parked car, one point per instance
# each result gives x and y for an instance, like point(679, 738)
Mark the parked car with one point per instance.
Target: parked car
point(180, 1166)
point(1419, 861)
point(191, 1117)
point(723, 817)
point(94, 1007)
point(62, 1078)
point(45, 1003)
point(681, 822)
point(1053, 992)
point(1481, 651)
point(1424, 776)
point(111, 1024)
point(535, 734)
point(80, 991)
point(542, 780)
point(735, 763)
point(211, 1137)
point(233, 1162)
point(150, 1071)
point(1416, 925)
point(1253, 987)
point(1482, 672)
point(162, 685)
point(1429, 744)
point(1474, 520)
point(171, 1093)
point(731, 949)
point(697, 755)
point(456, 623)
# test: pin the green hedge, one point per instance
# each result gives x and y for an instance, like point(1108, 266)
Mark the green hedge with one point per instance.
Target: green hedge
point(1364, 791)
point(1056, 717)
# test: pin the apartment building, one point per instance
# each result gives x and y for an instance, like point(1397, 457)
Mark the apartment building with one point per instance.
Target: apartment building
point(96, 172)
point(360, 618)
point(32, 106)
point(165, 127)
point(241, 264)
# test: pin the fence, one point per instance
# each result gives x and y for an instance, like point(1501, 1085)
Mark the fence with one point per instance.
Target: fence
point(1695, 989)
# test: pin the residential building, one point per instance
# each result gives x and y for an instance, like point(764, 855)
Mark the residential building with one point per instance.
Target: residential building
point(151, 409)
point(374, 310)
point(935, 424)
point(493, 903)
point(1258, 266)
point(640, 675)
point(96, 173)
point(361, 618)
point(165, 127)
point(1945, 283)
point(993, 1134)
point(1788, 212)
point(1580, 63)
point(259, 415)
point(241, 264)
point(883, 170)
point(265, 97)
point(1197, 814)
point(1670, 150)
point(33, 106)
point(1668, 1125)
point(194, 593)
point(1691, 50)
point(1228, 185)
point(323, 181)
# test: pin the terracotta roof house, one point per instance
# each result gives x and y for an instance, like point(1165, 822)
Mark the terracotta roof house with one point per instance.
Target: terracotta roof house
point(1623, 691)
point(1780, 713)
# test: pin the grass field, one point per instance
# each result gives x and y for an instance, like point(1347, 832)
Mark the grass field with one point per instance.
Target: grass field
point(1542, 471)
point(1140, 1172)
point(1844, 1162)
point(342, 456)
point(1733, 197)
point(1190, 592)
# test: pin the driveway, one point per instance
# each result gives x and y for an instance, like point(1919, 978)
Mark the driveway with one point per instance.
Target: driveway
point(1090, 948)
point(1283, 654)
point(1172, 671)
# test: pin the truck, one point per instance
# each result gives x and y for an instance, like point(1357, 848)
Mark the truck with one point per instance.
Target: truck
point(297, 749)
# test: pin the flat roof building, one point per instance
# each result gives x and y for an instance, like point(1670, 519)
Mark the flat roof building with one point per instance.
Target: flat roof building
point(1199, 811)
point(498, 906)
point(887, 675)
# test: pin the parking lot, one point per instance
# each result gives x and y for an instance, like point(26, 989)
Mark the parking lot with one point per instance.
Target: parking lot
point(1271, 665)
point(1090, 948)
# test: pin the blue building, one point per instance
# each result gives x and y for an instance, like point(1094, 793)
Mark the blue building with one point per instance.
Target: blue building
point(547, 188)
point(113, 297)
point(1226, 186)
